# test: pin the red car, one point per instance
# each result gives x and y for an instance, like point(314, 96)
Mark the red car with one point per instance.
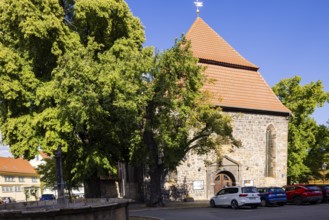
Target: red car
point(302, 193)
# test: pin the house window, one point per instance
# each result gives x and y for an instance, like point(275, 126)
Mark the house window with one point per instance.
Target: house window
point(18, 189)
point(21, 179)
point(270, 152)
point(7, 189)
point(9, 179)
point(34, 180)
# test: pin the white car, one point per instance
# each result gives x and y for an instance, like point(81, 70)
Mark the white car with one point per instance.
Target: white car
point(236, 197)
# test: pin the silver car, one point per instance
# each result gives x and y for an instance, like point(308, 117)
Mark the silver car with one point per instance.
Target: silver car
point(236, 197)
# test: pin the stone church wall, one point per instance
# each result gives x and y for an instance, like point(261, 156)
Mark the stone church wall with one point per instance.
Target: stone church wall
point(246, 164)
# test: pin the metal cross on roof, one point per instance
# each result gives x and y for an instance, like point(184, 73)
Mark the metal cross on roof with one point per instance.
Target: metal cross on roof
point(198, 5)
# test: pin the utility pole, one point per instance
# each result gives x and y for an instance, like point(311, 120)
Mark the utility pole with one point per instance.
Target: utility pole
point(324, 167)
point(59, 176)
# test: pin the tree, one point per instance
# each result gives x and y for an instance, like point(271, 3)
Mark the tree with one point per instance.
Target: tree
point(75, 74)
point(71, 74)
point(178, 116)
point(302, 101)
point(47, 172)
point(319, 153)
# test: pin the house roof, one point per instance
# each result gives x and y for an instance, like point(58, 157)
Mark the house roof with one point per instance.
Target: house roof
point(43, 155)
point(11, 165)
point(239, 88)
point(233, 81)
point(208, 45)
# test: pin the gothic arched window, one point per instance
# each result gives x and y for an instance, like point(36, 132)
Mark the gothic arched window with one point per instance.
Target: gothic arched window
point(270, 151)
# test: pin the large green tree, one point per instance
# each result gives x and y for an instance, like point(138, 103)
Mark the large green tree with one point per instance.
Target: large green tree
point(302, 100)
point(75, 74)
point(71, 75)
point(319, 153)
point(178, 117)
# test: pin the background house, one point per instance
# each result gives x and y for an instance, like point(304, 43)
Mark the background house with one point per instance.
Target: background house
point(18, 179)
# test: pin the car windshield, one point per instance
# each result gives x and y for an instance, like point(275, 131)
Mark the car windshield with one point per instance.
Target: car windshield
point(312, 188)
point(326, 187)
point(47, 196)
point(276, 190)
point(249, 190)
point(261, 190)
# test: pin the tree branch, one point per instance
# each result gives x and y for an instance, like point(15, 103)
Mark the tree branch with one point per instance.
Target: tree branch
point(193, 140)
point(198, 136)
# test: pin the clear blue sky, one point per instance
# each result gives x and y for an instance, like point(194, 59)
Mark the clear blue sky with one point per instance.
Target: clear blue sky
point(283, 37)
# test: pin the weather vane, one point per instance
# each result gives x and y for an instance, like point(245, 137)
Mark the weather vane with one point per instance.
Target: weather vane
point(198, 5)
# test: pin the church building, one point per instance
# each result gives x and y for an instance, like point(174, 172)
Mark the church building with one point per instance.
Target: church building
point(260, 122)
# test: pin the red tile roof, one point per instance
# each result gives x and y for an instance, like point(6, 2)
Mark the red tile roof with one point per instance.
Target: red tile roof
point(11, 165)
point(44, 155)
point(208, 45)
point(239, 88)
point(234, 82)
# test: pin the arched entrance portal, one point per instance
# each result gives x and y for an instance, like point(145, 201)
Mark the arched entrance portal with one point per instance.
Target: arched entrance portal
point(222, 179)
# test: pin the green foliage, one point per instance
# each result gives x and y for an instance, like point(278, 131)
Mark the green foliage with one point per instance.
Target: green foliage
point(302, 101)
point(178, 116)
point(75, 73)
point(71, 74)
point(319, 153)
point(47, 172)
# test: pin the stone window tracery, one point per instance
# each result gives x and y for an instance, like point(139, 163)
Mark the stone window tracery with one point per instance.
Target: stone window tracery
point(270, 151)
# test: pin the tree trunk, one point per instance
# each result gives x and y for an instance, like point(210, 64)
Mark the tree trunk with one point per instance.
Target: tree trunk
point(156, 172)
point(156, 166)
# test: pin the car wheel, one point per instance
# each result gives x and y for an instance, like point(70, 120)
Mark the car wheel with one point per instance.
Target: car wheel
point(281, 203)
point(254, 206)
point(313, 202)
point(263, 203)
point(297, 200)
point(212, 203)
point(234, 204)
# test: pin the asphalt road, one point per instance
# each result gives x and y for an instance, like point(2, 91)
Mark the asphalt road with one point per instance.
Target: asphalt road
point(293, 212)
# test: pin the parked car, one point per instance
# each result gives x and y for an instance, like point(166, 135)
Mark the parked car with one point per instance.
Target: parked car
point(325, 192)
point(47, 197)
point(8, 199)
point(302, 193)
point(236, 197)
point(272, 195)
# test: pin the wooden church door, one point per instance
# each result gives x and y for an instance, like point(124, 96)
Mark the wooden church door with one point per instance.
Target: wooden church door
point(221, 181)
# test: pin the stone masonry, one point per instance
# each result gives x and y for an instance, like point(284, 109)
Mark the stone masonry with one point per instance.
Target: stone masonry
point(246, 165)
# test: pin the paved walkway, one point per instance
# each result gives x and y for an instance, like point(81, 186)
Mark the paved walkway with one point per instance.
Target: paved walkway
point(170, 205)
